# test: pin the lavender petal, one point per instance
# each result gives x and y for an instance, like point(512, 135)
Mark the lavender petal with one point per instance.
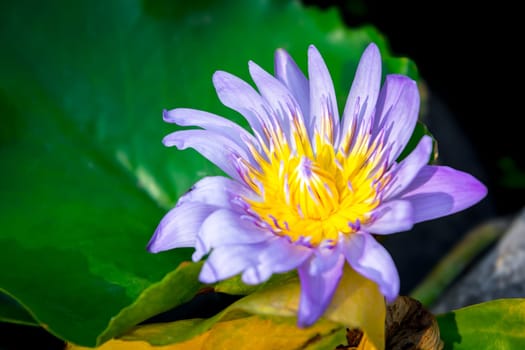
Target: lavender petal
point(397, 110)
point(324, 112)
point(317, 291)
point(179, 227)
point(363, 93)
point(439, 191)
point(220, 150)
point(287, 71)
point(370, 259)
point(391, 217)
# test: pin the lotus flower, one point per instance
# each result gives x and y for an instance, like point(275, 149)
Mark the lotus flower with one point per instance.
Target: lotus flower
point(306, 189)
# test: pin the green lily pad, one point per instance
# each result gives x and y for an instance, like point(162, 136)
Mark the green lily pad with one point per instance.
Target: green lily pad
point(85, 178)
point(496, 324)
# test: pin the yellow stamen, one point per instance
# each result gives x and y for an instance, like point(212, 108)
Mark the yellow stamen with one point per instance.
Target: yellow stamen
point(313, 192)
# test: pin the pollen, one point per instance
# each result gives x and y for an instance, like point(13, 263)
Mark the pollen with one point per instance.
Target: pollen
point(311, 192)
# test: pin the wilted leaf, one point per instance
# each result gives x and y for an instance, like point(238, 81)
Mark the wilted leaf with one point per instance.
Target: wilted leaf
point(410, 326)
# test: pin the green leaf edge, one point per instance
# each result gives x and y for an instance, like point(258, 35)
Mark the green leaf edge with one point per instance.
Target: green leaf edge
point(451, 332)
point(176, 288)
point(19, 313)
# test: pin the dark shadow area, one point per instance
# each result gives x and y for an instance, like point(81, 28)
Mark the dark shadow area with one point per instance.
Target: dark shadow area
point(20, 337)
point(203, 305)
point(448, 328)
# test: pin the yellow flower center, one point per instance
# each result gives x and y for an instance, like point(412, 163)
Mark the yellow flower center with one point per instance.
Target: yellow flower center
point(313, 192)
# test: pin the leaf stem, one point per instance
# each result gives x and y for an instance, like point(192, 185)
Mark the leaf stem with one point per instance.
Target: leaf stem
point(458, 259)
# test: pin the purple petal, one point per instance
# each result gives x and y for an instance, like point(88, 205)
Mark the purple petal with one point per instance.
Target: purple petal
point(228, 261)
point(279, 256)
point(362, 97)
point(287, 71)
point(179, 227)
point(439, 191)
point(371, 260)
point(397, 110)
point(220, 150)
point(225, 227)
point(391, 217)
point(409, 167)
point(219, 191)
point(257, 274)
point(278, 97)
point(317, 291)
point(323, 104)
point(242, 97)
point(325, 259)
point(211, 122)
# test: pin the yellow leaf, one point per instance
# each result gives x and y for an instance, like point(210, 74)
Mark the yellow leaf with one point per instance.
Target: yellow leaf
point(253, 332)
point(258, 333)
point(365, 344)
point(358, 303)
point(116, 344)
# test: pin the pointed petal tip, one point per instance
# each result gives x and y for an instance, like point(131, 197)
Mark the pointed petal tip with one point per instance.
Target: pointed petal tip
point(252, 65)
point(372, 54)
point(390, 290)
point(305, 321)
point(440, 191)
point(373, 48)
point(165, 115)
point(478, 189)
point(255, 69)
point(158, 243)
point(282, 53)
point(176, 115)
point(281, 59)
point(313, 51)
point(219, 77)
point(306, 318)
point(391, 298)
point(150, 247)
point(171, 140)
point(153, 245)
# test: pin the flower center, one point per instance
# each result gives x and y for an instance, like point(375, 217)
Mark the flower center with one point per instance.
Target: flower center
point(312, 194)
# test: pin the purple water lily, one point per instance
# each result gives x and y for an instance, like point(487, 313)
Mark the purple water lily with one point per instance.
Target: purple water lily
point(307, 189)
